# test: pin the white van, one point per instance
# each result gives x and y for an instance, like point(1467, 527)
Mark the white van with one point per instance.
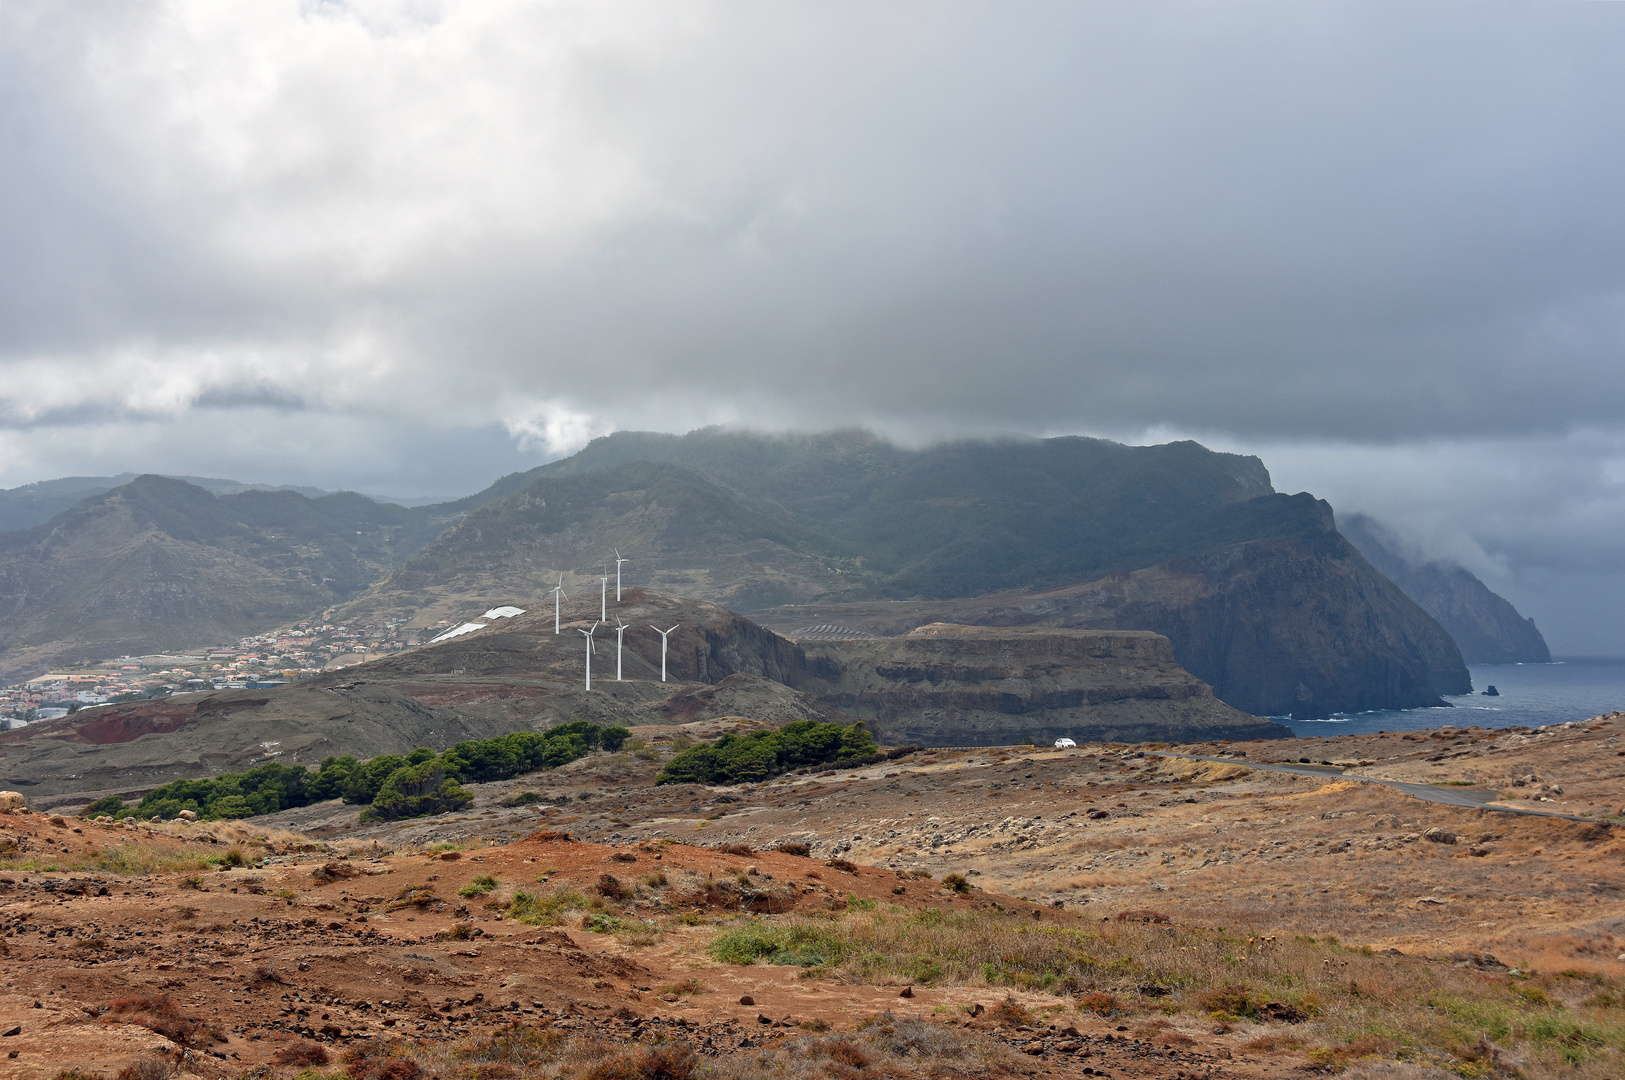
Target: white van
point(1065, 744)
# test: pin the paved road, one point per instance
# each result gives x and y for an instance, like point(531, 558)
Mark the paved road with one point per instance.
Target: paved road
point(1473, 798)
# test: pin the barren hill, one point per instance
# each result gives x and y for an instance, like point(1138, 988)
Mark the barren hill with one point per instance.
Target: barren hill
point(1103, 911)
point(518, 674)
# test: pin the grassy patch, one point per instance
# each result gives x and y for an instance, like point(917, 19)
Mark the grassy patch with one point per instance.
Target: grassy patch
point(800, 943)
point(481, 885)
point(1345, 1003)
point(548, 908)
point(129, 860)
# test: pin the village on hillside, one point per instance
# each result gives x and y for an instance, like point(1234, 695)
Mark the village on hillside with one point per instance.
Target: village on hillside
point(265, 660)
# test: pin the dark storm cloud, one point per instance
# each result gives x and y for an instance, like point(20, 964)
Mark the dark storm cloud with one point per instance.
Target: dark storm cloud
point(1383, 241)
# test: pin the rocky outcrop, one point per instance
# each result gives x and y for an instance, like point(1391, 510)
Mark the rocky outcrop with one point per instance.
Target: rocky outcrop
point(954, 685)
point(1485, 626)
point(1031, 683)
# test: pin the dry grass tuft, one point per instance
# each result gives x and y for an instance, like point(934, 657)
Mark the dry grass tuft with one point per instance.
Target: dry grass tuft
point(1352, 1002)
point(160, 1014)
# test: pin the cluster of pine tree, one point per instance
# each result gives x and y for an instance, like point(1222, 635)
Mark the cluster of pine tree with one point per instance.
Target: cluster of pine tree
point(739, 759)
point(393, 786)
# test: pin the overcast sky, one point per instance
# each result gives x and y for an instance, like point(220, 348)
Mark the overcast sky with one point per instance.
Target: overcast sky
point(404, 247)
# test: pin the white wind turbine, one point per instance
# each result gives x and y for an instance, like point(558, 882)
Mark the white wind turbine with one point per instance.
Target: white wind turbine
point(558, 591)
point(589, 634)
point(618, 561)
point(603, 600)
point(663, 634)
point(620, 632)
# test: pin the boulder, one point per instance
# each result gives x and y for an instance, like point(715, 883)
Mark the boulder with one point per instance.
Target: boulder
point(12, 800)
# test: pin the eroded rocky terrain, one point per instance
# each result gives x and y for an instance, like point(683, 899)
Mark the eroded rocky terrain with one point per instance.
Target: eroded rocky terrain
point(408, 939)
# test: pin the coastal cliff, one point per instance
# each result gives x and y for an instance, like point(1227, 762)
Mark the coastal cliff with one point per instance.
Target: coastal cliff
point(1300, 625)
point(1486, 627)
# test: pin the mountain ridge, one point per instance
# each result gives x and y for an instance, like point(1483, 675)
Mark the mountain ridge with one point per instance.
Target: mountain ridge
point(1485, 625)
point(759, 522)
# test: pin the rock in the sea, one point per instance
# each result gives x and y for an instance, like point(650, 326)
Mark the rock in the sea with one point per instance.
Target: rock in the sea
point(1491, 691)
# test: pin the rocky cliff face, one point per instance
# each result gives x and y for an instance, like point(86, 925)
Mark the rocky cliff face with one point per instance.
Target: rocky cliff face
point(1301, 626)
point(1485, 626)
point(953, 685)
point(941, 686)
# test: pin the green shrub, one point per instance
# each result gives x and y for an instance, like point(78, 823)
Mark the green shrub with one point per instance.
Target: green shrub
point(478, 887)
point(544, 910)
point(737, 759)
point(391, 785)
point(752, 942)
point(416, 790)
point(107, 804)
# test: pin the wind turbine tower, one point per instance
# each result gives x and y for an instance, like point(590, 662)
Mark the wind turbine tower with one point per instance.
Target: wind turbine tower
point(603, 600)
point(663, 634)
point(589, 634)
point(619, 559)
point(558, 591)
point(620, 632)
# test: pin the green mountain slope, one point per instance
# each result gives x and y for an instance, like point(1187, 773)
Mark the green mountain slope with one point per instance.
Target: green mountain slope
point(35, 504)
point(159, 563)
point(753, 521)
point(1279, 612)
point(973, 516)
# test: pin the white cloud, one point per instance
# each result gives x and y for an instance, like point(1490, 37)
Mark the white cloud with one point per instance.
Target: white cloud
point(554, 428)
point(151, 379)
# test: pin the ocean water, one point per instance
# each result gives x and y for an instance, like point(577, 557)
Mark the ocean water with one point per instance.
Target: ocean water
point(1531, 695)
